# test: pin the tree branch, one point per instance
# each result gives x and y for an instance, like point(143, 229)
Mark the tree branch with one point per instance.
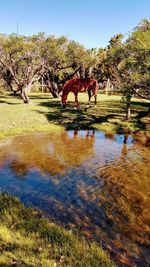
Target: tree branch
point(140, 95)
point(11, 71)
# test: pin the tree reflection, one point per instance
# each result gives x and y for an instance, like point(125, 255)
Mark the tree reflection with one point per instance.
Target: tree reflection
point(51, 154)
point(109, 204)
point(126, 197)
point(19, 168)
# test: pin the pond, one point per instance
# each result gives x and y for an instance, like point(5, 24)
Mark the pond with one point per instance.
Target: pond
point(95, 184)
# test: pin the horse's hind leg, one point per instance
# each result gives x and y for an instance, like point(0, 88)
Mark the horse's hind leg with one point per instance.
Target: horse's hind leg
point(95, 99)
point(89, 94)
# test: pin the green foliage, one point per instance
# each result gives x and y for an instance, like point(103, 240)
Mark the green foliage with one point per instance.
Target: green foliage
point(116, 40)
point(127, 63)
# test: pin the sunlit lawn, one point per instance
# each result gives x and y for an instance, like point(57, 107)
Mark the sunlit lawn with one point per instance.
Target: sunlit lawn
point(45, 113)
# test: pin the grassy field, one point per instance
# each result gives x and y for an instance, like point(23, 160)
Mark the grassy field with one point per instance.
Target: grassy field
point(29, 240)
point(45, 113)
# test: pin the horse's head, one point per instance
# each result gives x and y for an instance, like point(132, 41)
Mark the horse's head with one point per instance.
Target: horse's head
point(64, 100)
point(66, 90)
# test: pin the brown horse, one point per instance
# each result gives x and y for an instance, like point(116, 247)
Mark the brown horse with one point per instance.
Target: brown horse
point(77, 85)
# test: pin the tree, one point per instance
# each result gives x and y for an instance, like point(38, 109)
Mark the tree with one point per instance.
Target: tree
point(81, 58)
point(20, 62)
point(135, 67)
point(65, 59)
point(128, 64)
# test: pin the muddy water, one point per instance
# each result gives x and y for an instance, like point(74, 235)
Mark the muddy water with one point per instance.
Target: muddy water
point(96, 184)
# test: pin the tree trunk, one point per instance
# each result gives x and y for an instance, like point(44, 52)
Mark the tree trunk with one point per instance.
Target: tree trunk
point(25, 89)
point(42, 84)
point(53, 88)
point(15, 93)
point(128, 111)
point(82, 71)
point(24, 96)
point(107, 86)
point(148, 113)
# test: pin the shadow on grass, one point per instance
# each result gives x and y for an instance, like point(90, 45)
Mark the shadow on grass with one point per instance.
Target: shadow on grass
point(141, 104)
point(6, 265)
point(9, 103)
point(141, 115)
point(7, 99)
point(2, 96)
point(141, 125)
point(112, 112)
point(82, 118)
point(47, 97)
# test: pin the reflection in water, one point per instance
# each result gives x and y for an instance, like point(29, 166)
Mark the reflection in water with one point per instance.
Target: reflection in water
point(87, 181)
point(49, 154)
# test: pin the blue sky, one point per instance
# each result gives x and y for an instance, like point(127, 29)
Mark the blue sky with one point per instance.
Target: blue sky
point(89, 22)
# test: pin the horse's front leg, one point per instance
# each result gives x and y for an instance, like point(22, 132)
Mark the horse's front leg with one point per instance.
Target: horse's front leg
point(76, 101)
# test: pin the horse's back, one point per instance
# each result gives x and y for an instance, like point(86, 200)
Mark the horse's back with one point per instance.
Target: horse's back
point(76, 85)
point(73, 85)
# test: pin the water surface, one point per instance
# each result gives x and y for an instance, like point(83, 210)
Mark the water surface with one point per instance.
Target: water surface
point(96, 184)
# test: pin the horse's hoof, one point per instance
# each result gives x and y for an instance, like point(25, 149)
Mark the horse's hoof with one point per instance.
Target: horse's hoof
point(63, 106)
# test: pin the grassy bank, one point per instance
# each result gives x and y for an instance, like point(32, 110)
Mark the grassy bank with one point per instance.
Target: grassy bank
point(45, 113)
point(29, 240)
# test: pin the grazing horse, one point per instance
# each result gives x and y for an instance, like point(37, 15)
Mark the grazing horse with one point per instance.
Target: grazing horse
point(77, 85)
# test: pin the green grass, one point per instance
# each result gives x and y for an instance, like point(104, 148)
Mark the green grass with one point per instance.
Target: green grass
point(18, 118)
point(45, 113)
point(29, 240)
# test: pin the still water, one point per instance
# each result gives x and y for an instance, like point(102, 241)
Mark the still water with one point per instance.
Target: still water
point(97, 185)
